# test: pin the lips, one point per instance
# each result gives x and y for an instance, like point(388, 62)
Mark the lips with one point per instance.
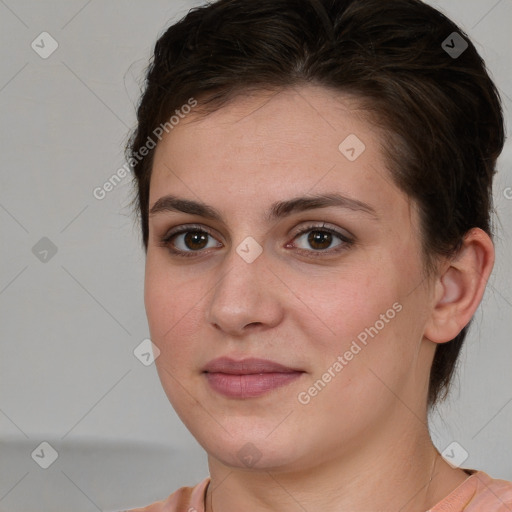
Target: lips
point(248, 378)
point(246, 366)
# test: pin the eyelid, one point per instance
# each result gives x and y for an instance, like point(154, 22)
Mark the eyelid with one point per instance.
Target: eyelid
point(183, 228)
point(342, 233)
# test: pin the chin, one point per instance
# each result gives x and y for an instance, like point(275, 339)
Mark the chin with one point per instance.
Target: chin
point(253, 449)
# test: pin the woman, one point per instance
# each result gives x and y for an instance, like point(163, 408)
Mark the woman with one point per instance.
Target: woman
point(314, 185)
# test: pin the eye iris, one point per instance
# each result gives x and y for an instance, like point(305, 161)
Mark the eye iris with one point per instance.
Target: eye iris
point(320, 239)
point(196, 239)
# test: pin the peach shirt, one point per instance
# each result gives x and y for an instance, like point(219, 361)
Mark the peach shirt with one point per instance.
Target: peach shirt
point(478, 493)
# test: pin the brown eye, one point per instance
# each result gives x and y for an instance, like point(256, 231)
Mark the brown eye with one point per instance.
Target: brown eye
point(187, 241)
point(196, 240)
point(320, 239)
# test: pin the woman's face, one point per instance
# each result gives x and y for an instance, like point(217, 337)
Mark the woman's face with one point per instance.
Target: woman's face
point(332, 290)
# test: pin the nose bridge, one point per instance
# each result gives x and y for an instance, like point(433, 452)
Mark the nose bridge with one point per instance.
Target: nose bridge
point(242, 295)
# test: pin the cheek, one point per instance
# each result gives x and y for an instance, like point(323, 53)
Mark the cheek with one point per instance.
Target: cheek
point(367, 316)
point(172, 307)
point(343, 305)
point(173, 316)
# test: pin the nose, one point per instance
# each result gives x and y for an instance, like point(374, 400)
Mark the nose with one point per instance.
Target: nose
point(246, 297)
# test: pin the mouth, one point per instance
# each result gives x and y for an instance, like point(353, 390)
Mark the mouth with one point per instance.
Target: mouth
point(248, 378)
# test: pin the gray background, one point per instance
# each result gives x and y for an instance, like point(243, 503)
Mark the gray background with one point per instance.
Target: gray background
point(69, 325)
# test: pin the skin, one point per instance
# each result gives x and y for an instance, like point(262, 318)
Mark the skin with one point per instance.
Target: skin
point(362, 443)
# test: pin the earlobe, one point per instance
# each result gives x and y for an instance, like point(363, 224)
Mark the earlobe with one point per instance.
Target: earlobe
point(461, 286)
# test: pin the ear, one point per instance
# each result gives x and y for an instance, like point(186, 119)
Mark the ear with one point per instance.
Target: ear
point(460, 287)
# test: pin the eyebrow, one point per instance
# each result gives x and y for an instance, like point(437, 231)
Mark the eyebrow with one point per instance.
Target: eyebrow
point(277, 211)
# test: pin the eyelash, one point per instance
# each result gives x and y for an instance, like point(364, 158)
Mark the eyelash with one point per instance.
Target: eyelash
point(346, 241)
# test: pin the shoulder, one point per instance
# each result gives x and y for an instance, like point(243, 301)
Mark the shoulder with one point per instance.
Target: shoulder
point(491, 492)
point(478, 492)
point(185, 499)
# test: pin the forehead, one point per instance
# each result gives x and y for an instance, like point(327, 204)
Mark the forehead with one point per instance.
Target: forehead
point(258, 146)
point(307, 114)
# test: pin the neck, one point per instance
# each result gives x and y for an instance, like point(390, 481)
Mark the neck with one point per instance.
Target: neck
point(408, 475)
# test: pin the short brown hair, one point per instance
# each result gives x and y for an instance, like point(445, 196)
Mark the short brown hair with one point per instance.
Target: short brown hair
point(441, 112)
